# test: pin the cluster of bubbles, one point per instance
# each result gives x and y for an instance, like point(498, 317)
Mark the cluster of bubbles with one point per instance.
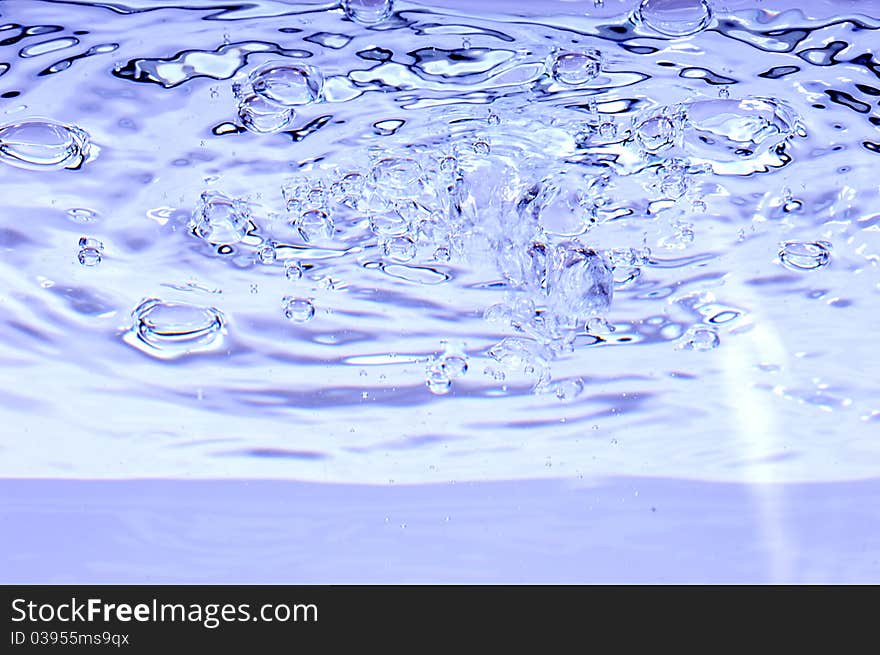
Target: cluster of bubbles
point(535, 220)
point(535, 225)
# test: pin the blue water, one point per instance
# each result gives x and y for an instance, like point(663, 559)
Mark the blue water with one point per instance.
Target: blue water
point(444, 243)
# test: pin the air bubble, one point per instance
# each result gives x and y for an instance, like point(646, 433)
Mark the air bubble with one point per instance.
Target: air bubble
point(43, 144)
point(656, 133)
point(482, 146)
point(81, 215)
point(436, 379)
point(314, 225)
point(90, 251)
point(676, 17)
point(394, 174)
point(219, 219)
point(287, 84)
point(388, 224)
point(293, 271)
point(267, 254)
point(304, 194)
point(574, 68)
point(298, 310)
point(521, 355)
point(569, 389)
point(169, 330)
point(368, 12)
point(261, 116)
point(400, 249)
point(579, 283)
point(739, 136)
point(700, 338)
point(805, 256)
point(681, 237)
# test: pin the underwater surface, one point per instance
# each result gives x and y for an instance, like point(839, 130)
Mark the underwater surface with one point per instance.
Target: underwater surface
point(560, 247)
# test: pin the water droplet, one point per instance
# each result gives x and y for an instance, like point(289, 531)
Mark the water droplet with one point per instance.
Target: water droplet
point(676, 17)
point(298, 310)
point(287, 84)
point(803, 256)
point(700, 338)
point(368, 12)
point(573, 68)
point(169, 330)
point(493, 119)
point(90, 251)
point(293, 271)
point(466, 44)
point(43, 144)
point(442, 254)
point(261, 116)
point(219, 219)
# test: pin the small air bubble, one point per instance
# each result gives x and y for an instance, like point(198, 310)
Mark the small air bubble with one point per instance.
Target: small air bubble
point(293, 271)
point(298, 310)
